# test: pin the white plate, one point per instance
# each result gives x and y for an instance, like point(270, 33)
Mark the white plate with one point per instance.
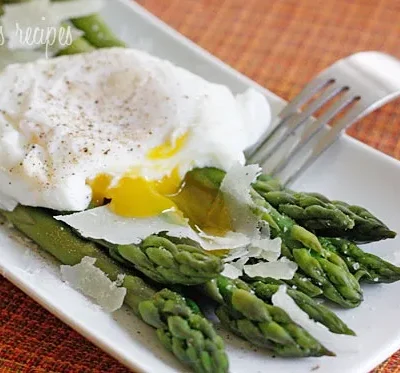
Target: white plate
point(349, 171)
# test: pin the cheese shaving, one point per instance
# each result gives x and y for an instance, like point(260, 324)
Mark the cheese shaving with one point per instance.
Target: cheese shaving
point(102, 223)
point(283, 269)
point(94, 283)
point(236, 190)
point(337, 343)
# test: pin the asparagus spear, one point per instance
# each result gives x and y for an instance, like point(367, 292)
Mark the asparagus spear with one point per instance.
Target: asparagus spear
point(79, 45)
point(168, 260)
point(322, 216)
point(365, 266)
point(97, 32)
point(317, 312)
point(180, 328)
point(258, 322)
point(326, 269)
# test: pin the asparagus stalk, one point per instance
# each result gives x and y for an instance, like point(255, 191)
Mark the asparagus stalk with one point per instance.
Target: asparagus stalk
point(316, 311)
point(322, 216)
point(168, 260)
point(79, 45)
point(97, 32)
point(365, 266)
point(259, 322)
point(180, 328)
point(326, 269)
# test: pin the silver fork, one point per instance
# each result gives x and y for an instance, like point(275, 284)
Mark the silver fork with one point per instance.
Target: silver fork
point(354, 86)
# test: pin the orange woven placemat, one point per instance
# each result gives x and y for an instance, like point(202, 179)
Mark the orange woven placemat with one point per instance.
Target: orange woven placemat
point(281, 44)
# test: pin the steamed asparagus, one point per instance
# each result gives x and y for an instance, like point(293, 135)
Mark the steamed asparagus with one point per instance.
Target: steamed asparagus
point(79, 45)
point(181, 329)
point(97, 32)
point(259, 322)
point(365, 266)
point(316, 311)
point(168, 260)
point(326, 269)
point(322, 216)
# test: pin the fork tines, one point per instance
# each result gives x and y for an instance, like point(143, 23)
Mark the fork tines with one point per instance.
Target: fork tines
point(339, 96)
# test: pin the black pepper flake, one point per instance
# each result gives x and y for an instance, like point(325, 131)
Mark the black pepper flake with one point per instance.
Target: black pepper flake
point(106, 152)
point(85, 150)
point(19, 94)
point(96, 102)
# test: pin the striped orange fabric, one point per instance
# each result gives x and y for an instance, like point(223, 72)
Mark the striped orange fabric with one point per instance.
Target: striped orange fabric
point(281, 44)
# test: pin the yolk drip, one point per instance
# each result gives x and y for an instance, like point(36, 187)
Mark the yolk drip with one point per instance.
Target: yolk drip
point(99, 186)
point(135, 196)
point(204, 206)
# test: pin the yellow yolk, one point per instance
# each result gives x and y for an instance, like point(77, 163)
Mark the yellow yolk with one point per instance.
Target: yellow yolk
point(99, 186)
point(203, 206)
point(135, 196)
point(168, 149)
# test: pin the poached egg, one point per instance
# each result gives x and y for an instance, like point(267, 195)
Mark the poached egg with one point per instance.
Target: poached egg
point(116, 124)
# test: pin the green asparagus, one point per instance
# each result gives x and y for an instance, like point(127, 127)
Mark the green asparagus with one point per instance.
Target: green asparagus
point(168, 260)
point(322, 216)
point(79, 45)
point(180, 328)
point(316, 311)
point(258, 322)
point(365, 266)
point(326, 269)
point(97, 32)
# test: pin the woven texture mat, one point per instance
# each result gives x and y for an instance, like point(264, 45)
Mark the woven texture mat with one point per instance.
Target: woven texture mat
point(281, 44)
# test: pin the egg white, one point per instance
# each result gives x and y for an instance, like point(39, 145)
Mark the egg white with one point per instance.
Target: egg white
point(65, 120)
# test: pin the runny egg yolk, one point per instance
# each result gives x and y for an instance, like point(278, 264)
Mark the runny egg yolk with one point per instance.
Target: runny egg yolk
point(135, 196)
point(168, 149)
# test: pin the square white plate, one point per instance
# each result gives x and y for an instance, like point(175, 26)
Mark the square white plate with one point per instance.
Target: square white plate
point(349, 170)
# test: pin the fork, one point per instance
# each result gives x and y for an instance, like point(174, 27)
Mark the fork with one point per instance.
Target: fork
point(352, 88)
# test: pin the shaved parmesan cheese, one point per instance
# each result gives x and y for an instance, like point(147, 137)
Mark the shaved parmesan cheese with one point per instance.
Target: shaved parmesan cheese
point(270, 249)
point(102, 223)
point(236, 190)
point(334, 342)
point(234, 254)
point(7, 203)
point(231, 240)
point(94, 283)
point(231, 271)
point(283, 269)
